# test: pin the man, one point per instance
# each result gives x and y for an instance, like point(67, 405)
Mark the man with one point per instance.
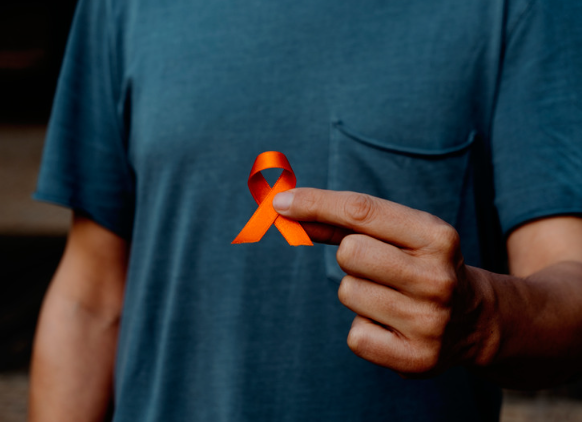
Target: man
point(462, 116)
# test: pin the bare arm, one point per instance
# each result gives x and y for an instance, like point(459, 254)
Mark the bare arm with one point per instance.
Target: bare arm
point(540, 307)
point(421, 310)
point(74, 350)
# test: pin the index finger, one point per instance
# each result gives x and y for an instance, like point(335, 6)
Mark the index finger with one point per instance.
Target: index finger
point(379, 218)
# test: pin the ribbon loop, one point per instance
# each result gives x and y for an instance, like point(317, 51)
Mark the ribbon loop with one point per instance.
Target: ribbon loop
point(263, 193)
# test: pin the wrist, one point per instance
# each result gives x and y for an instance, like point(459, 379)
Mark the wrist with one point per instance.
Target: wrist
point(487, 334)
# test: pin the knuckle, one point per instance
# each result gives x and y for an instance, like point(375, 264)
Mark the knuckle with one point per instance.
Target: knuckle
point(446, 238)
point(348, 251)
point(345, 290)
point(359, 208)
point(445, 282)
point(440, 286)
point(424, 360)
point(358, 340)
point(307, 199)
point(433, 323)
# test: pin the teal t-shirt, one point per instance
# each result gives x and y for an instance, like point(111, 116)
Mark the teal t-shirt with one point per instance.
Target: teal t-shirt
point(469, 110)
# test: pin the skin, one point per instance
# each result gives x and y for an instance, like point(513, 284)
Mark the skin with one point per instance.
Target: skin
point(76, 339)
point(419, 308)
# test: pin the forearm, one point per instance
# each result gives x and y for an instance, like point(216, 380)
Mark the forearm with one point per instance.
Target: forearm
point(534, 337)
point(72, 366)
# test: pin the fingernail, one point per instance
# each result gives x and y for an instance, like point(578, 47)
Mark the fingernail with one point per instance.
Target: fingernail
point(282, 201)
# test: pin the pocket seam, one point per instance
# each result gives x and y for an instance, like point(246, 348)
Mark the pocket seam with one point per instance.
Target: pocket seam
point(399, 149)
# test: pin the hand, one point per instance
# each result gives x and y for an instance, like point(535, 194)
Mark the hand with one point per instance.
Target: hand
point(419, 309)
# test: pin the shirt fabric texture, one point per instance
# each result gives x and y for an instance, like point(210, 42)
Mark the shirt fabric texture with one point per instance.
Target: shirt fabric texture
point(469, 110)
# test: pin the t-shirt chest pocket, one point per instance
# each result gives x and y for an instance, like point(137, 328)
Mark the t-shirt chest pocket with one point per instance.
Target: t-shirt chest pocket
point(432, 180)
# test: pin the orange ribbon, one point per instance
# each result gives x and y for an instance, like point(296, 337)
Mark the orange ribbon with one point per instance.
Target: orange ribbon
point(265, 215)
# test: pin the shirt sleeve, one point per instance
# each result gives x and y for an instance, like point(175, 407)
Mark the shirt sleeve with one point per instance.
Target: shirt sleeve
point(537, 126)
point(85, 164)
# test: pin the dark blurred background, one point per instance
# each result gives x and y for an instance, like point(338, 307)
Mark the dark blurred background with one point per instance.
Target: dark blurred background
point(32, 235)
point(32, 41)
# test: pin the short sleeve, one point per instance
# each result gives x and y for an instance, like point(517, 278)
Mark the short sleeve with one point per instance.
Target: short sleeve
point(85, 164)
point(537, 126)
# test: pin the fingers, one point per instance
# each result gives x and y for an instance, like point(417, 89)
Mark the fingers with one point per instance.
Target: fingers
point(376, 344)
point(361, 213)
point(402, 267)
point(412, 319)
point(366, 257)
point(325, 233)
point(385, 306)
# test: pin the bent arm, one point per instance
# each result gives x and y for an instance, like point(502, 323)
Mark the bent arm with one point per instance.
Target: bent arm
point(74, 349)
point(539, 306)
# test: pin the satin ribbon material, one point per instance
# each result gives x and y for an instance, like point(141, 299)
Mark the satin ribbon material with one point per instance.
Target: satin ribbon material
point(265, 215)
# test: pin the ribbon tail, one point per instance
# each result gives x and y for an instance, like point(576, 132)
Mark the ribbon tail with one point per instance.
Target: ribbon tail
point(293, 232)
point(257, 226)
